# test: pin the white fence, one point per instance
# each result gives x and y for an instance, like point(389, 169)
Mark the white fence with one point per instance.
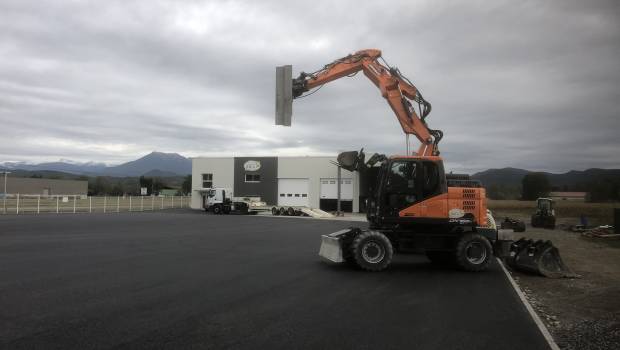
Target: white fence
point(32, 204)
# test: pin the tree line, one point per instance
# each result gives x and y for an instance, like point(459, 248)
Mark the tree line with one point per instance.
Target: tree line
point(110, 186)
point(535, 185)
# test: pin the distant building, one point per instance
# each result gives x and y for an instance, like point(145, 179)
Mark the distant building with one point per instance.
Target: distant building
point(44, 187)
point(168, 192)
point(282, 181)
point(569, 196)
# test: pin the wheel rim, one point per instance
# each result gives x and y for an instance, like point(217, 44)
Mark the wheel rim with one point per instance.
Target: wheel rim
point(475, 253)
point(373, 252)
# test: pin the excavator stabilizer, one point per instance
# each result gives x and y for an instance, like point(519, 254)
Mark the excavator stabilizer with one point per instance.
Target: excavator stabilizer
point(539, 257)
point(331, 247)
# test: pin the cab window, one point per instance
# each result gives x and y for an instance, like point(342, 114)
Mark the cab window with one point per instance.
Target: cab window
point(430, 185)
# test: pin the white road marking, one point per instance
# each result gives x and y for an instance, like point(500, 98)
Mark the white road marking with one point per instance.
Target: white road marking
point(541, 326)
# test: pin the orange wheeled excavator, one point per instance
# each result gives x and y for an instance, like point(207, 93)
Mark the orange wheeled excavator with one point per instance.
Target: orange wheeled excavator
point(412, 204)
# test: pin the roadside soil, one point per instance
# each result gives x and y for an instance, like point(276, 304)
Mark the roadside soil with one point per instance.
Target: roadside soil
point(581, 313)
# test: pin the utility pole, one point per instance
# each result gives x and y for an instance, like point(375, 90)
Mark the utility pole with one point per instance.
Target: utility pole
point(338, 211)
point(4, 197)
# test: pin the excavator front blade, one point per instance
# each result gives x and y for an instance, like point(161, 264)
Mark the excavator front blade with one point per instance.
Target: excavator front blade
point(331, 248)
point(334, 246)
point(539, 257)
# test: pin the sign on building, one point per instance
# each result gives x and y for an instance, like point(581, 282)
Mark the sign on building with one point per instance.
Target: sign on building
point(143, 191)
point(251, 165)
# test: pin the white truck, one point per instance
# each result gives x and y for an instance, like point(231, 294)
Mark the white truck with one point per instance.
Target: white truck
point(222, 201)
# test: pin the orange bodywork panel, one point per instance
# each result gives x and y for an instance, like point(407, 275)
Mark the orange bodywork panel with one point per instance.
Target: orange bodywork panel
point(467, 200)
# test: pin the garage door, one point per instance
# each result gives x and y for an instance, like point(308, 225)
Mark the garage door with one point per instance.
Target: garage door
point(293, 192)
point(329, 189)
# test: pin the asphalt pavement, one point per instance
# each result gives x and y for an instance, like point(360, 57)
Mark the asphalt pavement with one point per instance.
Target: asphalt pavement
point(184, 279)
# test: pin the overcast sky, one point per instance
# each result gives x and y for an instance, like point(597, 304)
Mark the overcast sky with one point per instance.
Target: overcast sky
point(529, 84)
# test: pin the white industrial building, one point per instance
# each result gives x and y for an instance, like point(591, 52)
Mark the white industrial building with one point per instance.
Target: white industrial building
point(282, 181)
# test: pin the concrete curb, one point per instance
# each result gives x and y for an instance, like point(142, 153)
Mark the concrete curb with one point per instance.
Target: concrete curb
point(541, 326)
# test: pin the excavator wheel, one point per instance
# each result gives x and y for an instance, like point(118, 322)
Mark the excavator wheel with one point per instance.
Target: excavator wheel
point(550, 222)
point(473, 252)
point(372, 251)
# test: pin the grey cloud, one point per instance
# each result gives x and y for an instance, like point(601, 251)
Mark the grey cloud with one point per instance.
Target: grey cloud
point(524, 84)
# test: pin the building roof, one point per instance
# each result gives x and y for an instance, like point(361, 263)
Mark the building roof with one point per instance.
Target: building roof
point(568, 194)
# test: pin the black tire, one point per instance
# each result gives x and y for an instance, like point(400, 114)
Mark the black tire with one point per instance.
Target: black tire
point(226, 210)
point(275, 211)
point(372, 251)
point(282, 211)
point(440, 257)
point(290, 211)
point(550, 222)
point(520, 227)
point(217, 209)
point(473, 252)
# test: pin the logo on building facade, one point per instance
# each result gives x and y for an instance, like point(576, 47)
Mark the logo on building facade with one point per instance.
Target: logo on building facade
point(251, 165)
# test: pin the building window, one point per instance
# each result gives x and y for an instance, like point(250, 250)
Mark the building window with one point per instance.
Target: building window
point(282, 194)
point(207, 180)
point(252, 178)
point(304, 195)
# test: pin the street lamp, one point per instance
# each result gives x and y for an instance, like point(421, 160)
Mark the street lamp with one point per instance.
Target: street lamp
point(4, 197)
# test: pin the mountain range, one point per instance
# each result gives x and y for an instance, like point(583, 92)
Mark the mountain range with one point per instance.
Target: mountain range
point(160, 164)
point(153, 164)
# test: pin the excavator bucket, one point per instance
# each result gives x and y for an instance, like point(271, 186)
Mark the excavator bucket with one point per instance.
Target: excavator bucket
point(539, 257)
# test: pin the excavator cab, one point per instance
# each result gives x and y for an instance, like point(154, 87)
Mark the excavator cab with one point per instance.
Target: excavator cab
point(402, 183)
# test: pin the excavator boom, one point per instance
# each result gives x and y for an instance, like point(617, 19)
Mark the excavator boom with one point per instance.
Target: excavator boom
point(399, 92)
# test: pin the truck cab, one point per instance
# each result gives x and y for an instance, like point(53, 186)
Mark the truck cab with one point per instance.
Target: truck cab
point(218, 200)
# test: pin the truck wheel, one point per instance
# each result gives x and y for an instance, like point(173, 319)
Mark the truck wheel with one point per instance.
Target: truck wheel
point(217, 209)
point(440, 257)
point(473, 252)
point(275, 211)
point(372, 251)
point(290, 211)
point(282, 211)
point(226, 210)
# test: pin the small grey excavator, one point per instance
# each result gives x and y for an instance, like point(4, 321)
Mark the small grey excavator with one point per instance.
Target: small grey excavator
point(545, 214)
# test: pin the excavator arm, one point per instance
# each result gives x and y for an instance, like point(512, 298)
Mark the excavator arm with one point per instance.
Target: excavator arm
point(399, 92)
